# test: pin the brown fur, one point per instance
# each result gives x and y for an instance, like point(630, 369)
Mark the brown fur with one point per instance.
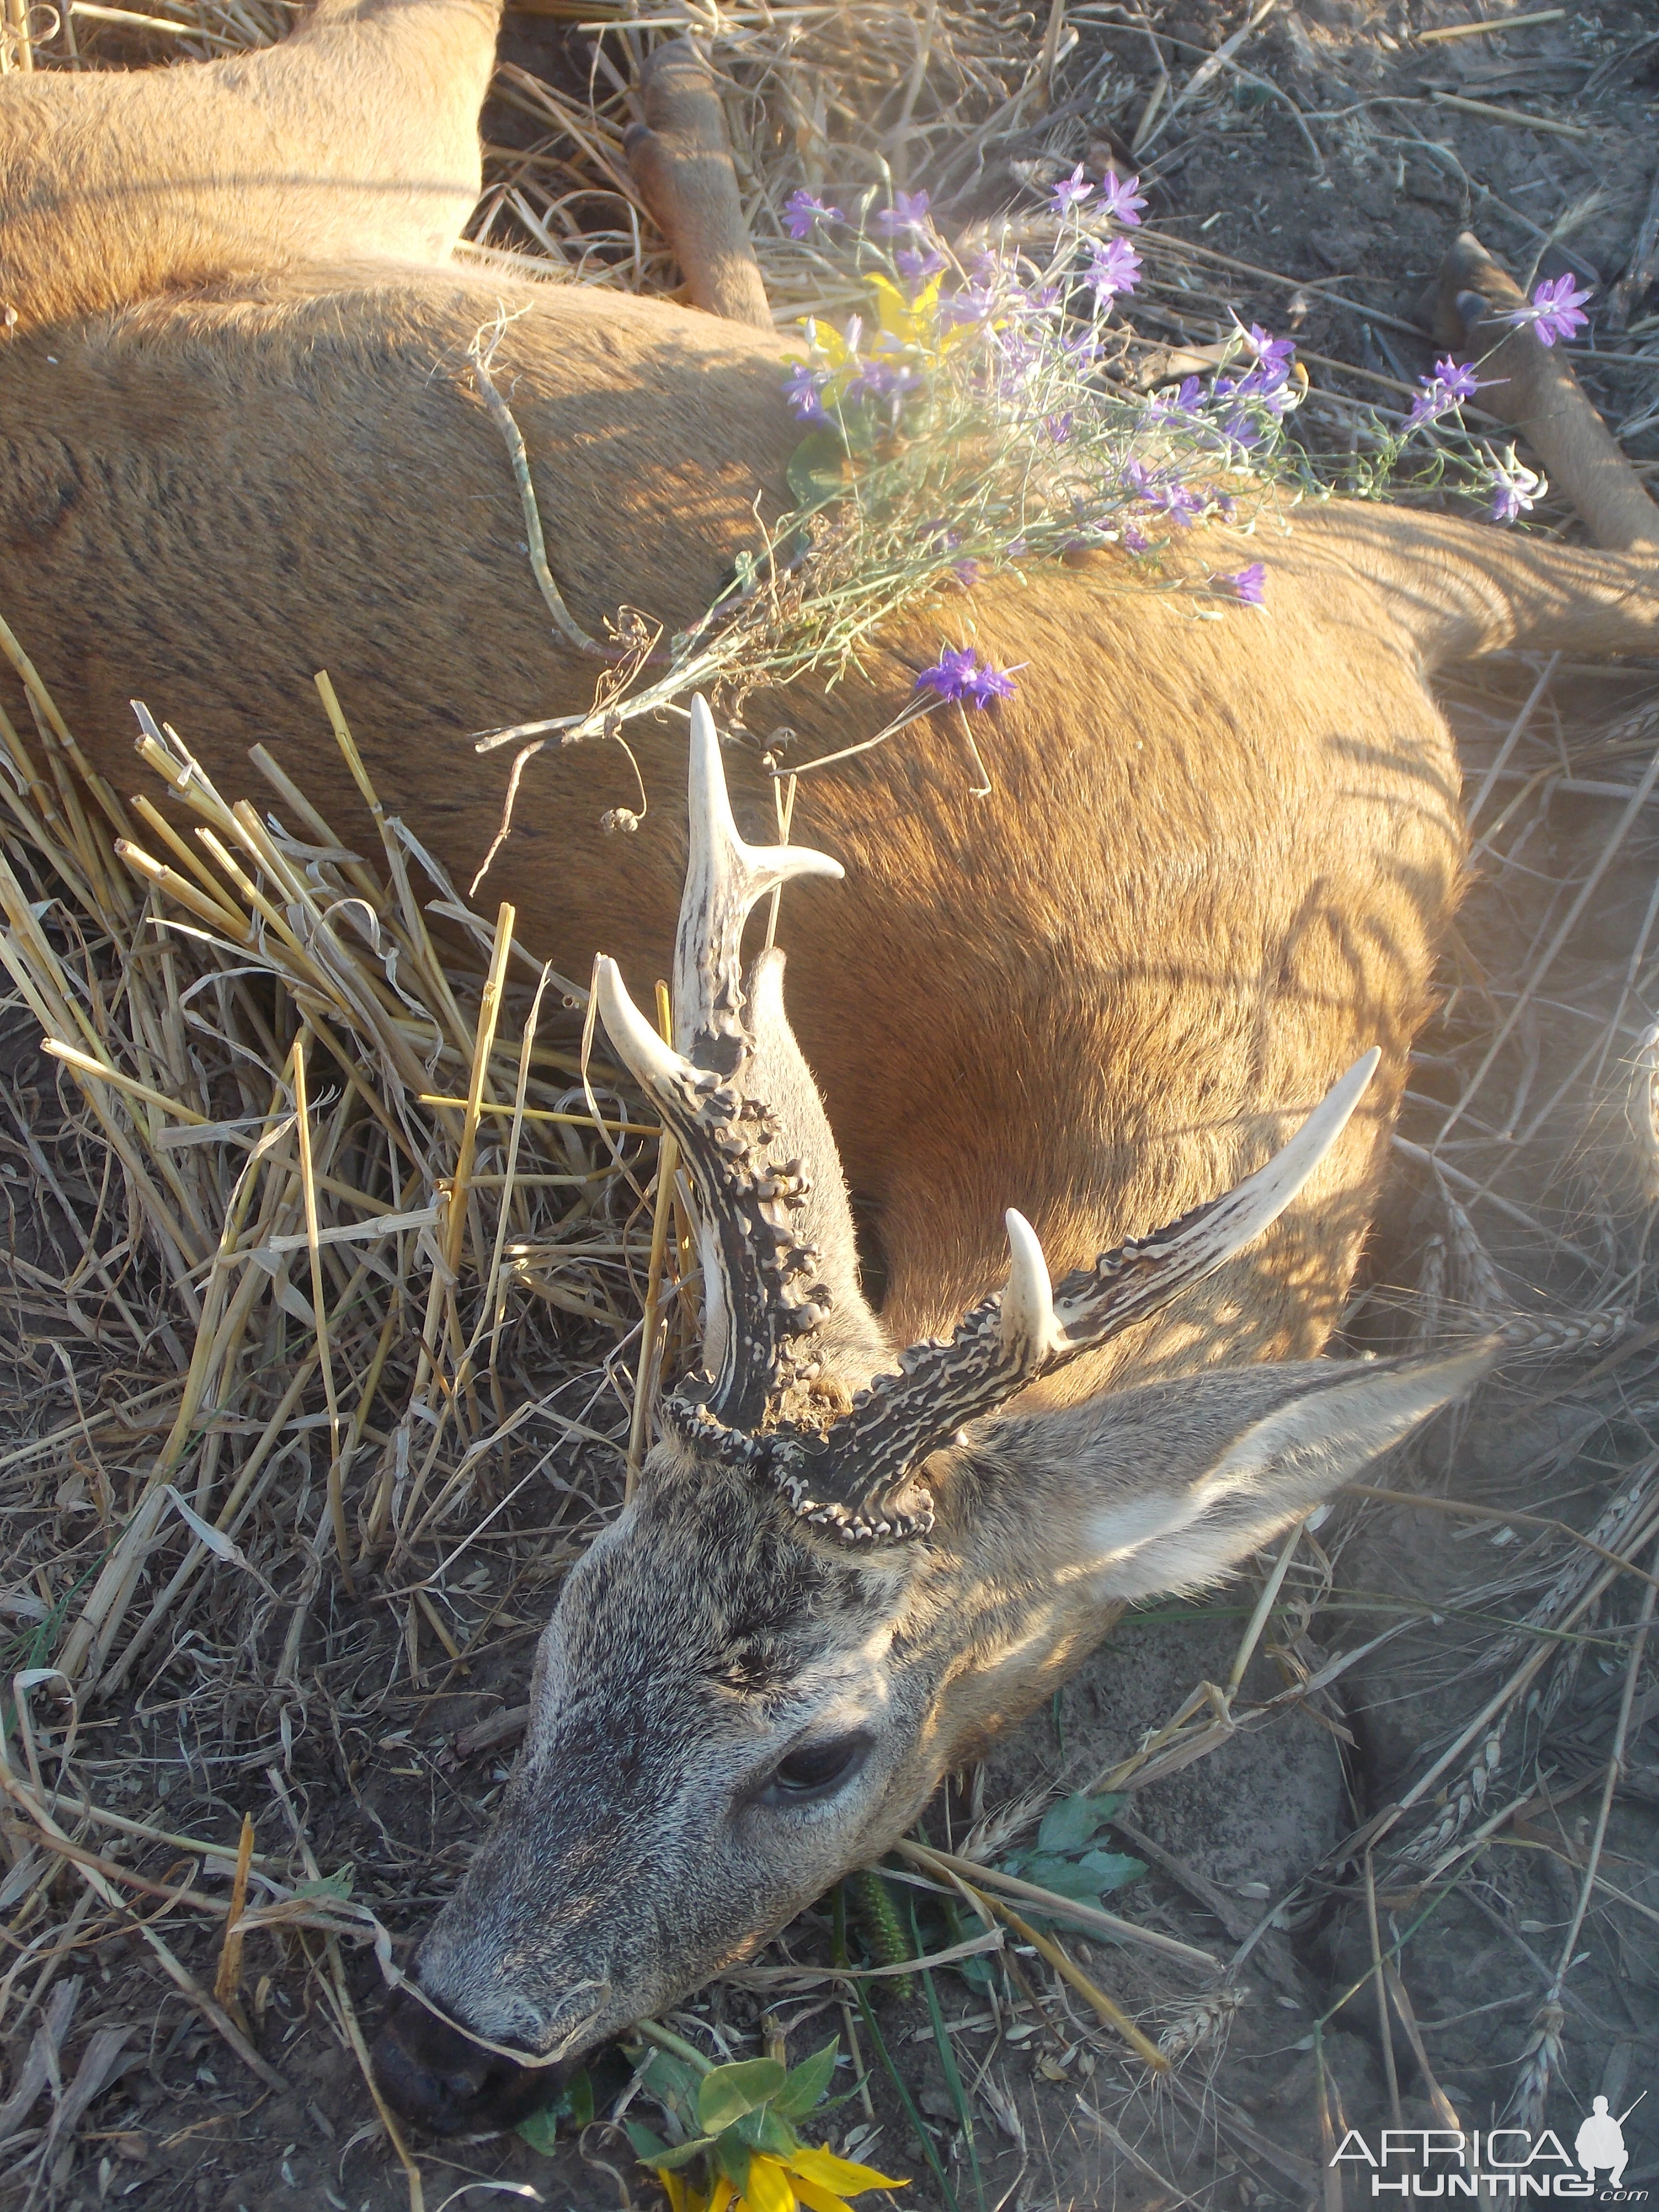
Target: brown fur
point(1213, 869)
point(357, 136)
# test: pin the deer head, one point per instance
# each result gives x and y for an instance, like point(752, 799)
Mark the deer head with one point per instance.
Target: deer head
point(843, 1567)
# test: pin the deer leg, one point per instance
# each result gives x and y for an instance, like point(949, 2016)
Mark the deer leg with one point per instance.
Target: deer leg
point(354, 139)
point(681, 158)
point(1533, 388)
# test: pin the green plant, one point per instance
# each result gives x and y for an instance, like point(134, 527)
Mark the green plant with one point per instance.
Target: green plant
point(1067, 1858)
point(738, 2122)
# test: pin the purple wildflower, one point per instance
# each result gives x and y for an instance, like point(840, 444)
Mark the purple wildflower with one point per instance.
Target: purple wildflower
point(1458, 377)
point(1134, 540)
point(1189, 399)
point(992, 683)
point(1163, 493)
point(973, 304)
point(952, 674)
point(1513, 489)
point(1268, 383)
point(1250, 584)
point(802, 211)
point(908, 213)
point(1017, 361)
point(882, 379)
point(1452, 383)
point(1070, 191)
point(1114, 268)
point(1271, 353)
point(957, 677)
point(1555, 311)
point(915, 267)
point(1122, 199)
point(1058, 427)
point(1185, 506)
point(805, 392)
point(966, 574)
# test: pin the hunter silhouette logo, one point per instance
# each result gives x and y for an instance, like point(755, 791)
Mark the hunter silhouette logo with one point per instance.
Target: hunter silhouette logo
point(1601, 2142)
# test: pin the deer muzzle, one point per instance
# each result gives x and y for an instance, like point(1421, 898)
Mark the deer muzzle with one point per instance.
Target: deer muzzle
point(437, 2078)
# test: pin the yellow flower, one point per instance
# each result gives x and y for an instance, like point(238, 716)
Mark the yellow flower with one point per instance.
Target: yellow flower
point(841, 359)
point(815, 2179)
point(914, 323)
point(822, 2182)
point(767, 2187)
point(903, 327)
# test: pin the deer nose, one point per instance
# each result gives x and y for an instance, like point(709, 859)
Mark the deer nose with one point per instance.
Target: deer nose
point(439, 2080)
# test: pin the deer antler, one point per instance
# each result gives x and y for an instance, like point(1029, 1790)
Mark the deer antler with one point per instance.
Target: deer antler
point(769, 1323)
point(759, 1277)
point(844, 1477)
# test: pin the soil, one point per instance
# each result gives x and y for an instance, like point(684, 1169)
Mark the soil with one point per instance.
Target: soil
point(1064, 2118)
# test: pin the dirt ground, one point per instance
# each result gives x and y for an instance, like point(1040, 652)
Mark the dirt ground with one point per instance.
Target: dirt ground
point(1330, 178)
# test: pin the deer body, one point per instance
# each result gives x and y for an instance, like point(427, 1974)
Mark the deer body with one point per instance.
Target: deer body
point(1210, 874)
point(1190, 817)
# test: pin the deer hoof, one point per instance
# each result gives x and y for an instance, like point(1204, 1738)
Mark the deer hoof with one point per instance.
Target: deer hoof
point(1470, 287)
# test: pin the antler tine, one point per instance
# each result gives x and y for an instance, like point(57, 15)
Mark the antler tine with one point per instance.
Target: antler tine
point(1138, 1278)
point(847, 1479)
point(1028, 1332)
point(723, 878)
point(759, 1275)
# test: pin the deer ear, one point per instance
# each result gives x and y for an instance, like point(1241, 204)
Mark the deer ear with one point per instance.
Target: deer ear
point(1163, 1488)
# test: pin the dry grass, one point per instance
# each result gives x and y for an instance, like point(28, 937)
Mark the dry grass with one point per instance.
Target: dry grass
point(330, 1249)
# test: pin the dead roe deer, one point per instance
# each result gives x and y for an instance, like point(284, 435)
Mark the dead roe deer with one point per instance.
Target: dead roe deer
point(238, 442)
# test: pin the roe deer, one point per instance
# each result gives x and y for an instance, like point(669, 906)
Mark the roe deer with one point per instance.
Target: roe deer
point(1211, 875)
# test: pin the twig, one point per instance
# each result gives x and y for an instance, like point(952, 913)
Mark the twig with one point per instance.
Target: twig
point(1644, 261)
point(319, 1309)
point(1163, 240)
point(1264, 1606)
point(1540, 967)
point(1069, 1970)
point(1204, 73)
point(481, 356)
point(1088, 1917)
point(1504, 1514)
point(1449, 31)
point(1615, 1769)
point(1512, 116)
point(1386, 2035)
point(345, 2012)
point(1167, 2192)
point(227, 1980)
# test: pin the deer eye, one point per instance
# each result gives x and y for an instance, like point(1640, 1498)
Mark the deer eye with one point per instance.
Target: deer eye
point(813, 1770)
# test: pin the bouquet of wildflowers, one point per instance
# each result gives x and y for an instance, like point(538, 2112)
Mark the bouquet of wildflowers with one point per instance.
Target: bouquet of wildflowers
point(976, 416)
point(973, 416)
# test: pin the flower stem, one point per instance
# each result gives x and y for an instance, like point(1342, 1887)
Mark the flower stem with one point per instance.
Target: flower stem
point(655, 2031)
